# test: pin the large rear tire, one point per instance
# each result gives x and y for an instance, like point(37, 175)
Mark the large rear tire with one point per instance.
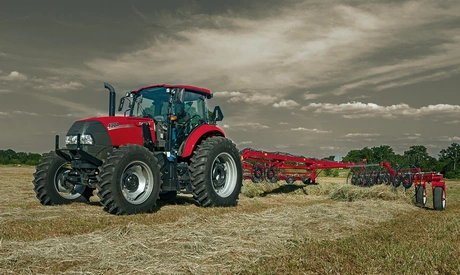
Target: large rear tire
point(216, 173)
point(130, 181)
point(439, 198)
point(50, 187)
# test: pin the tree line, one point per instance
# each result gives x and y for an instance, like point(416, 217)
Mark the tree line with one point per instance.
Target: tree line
point(447, 163)
point(9, 156)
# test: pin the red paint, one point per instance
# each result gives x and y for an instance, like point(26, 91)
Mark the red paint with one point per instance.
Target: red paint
point(202, 131)
point(128, 130)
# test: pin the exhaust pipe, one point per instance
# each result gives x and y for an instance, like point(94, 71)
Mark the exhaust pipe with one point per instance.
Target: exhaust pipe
point(112, 98)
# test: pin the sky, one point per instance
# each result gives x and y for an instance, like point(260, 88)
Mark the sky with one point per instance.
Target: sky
point(310, 77)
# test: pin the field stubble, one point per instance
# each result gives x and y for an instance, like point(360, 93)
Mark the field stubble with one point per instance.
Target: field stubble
point(272, 225)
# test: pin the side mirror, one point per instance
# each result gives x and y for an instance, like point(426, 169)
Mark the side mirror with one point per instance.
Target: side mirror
point(217, 114)
point(122, 102)
point(180, 96)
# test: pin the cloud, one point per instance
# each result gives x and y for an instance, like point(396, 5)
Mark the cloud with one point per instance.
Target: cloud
point(245, 142)
point(283, 123)
point(14, 75)
point(25, 113)
point(316, 131)
point(299, 46)
point(249, 125)
point(5, 91)
point(362, 135)
point(250, 97)
point(286, 103)
point(450, 139)
point(54, 84)
point(256, 98)
point(62, 115)
point(308, 96)
point(4, 114)
point(71, 105)
point(327, 148)
point(408, 136)
point(355, 110)
point(226, 94)
point(72, 85)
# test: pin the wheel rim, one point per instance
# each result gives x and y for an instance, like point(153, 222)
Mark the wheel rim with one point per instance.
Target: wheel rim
point(69, 192)
point(137, 182)
point(224, 175)
point(443, 199)
point(424, 196)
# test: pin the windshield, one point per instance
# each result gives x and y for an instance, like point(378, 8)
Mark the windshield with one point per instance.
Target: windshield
point(152, 102)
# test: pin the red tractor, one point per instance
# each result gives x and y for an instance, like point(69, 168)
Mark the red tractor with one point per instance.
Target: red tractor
point(166, 142)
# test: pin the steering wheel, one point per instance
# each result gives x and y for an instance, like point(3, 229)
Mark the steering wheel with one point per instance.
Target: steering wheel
point(187, 122)
point(146, 115)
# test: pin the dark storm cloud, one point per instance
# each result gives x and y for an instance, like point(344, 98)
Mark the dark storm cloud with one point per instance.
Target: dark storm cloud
point(304, 76)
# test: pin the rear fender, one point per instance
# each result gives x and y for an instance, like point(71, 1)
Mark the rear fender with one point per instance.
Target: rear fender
point(200, 133)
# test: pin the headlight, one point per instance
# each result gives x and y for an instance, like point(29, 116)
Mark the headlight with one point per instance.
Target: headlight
point(84, 139)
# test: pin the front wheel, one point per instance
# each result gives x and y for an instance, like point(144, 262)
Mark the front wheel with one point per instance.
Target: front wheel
point(130, 181)
point(216, 173)
point(50, 185)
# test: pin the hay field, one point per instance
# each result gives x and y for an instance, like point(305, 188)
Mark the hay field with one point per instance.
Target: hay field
point(275, 229)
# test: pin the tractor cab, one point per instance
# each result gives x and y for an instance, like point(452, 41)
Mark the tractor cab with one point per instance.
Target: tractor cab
point(177, 110)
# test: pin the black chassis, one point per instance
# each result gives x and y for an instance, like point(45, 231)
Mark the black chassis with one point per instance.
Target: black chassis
point(85, 167)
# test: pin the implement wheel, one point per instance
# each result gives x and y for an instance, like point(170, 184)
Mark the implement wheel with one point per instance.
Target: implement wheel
point(397, 180)
point(420, 196)
point(51, 188)
point(306, 180)
point(290, 180)
point(407, 181)
point(439, 198)
point(216, 173)
point(130, 181)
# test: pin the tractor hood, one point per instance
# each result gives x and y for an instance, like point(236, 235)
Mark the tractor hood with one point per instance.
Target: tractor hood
point(120, 130)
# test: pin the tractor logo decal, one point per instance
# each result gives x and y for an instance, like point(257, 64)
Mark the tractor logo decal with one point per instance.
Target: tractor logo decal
point(113, 125)
point(116, 125)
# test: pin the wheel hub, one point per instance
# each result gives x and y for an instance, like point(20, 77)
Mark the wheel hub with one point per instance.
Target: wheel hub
point(131, 182)
point(219, 175)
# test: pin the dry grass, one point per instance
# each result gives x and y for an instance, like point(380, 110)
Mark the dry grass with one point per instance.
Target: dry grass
point(263, 234)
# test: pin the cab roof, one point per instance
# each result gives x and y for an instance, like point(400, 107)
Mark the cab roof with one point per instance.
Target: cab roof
point(180, 86)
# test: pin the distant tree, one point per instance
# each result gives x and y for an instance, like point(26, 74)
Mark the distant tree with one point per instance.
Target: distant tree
point(383, 153)
point(359, 155)
point(330, 158)
point(418, 156)
point(449, 160)
point(9, 156)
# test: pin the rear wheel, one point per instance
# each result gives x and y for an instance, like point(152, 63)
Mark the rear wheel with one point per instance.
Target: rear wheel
point(439, 198)
point(51, 188)
point(420, 196)
point(216, 173)
point(130, 181)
